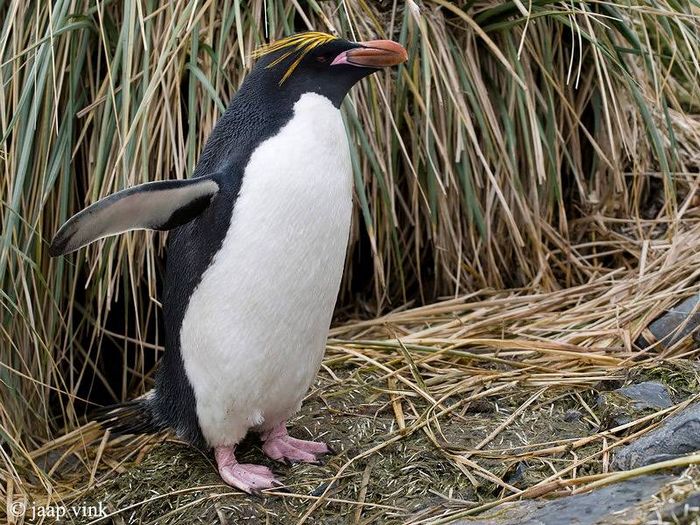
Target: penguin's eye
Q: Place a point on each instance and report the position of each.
(322, 59)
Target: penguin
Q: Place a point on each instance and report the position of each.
(255, 255)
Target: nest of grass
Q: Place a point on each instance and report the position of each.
(435, 413)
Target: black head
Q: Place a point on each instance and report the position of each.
(320, 63)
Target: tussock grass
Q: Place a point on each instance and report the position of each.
(543, 153)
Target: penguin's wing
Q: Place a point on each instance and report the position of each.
(152, 206)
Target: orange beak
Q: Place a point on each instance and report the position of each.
(375, 53)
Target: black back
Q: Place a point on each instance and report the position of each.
(257, 112)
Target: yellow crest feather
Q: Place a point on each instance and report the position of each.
(299, 45)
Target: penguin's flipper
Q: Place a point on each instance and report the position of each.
(152, 206)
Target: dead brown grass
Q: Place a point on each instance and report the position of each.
(433, 410)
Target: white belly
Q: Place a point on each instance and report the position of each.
(254, 332)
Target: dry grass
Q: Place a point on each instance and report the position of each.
(543, 153)
(436, 412)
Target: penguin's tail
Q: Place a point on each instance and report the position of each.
(130, 417)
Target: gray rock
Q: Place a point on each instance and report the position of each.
(581, 509)
(624, 405)
(677, 323)
(677, 436)
(649, 394)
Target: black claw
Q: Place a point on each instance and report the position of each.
(260, 493)
(256, 493)
(331, 451)
(320, 458)
(278, 486)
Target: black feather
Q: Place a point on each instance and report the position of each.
(129, 417)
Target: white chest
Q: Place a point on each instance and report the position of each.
(254, 331)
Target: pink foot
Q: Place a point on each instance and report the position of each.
(246, 477)
(280, 446)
